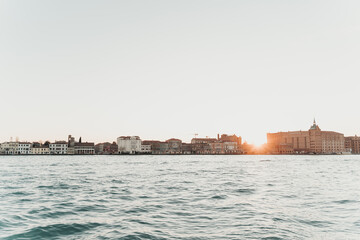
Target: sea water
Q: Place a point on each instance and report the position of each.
(180, 197)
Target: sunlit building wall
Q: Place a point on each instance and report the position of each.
(312, 141)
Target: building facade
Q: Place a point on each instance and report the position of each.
(106, 148)
(80, 148)
(154, 146)
(186, 148)
(313, 141)
(352, 144)
(203, 145)
(24, 148)
(9, 148)
(145, 149)
(174, 146)
(129, 144)
(40, 150)
(58, 147)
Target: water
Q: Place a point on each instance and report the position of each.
(180, 197)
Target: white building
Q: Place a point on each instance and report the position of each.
(9, 148)
(129, 145)
(59, 147)
(24, 148)
(40, 150)
(145, 148)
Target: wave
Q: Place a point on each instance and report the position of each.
(55, 230)
(141, 236)
(245, 190)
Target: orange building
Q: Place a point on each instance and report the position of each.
(312, 141)
(353, 144)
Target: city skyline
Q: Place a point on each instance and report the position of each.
(196, 135)
(161, 69)
(312, 141)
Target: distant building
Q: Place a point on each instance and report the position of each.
(217, 147)
(40, 150)
(230, 138)
(226, 144)
(231, 144)
(313, 141)
(129, 144)
(24, 148)
(174, 146)
(231, 148)
(106, 148)
(9, 148)
(58, 147)
(186, 148)
(164, 148)
(159, 148)
(352, 144)
(80, 148)
(145, 149)
(202, 145)
(154, 146)
(86, 148)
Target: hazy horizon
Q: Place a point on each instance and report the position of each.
(161, 69)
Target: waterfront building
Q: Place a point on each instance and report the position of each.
(224, 144)
(186, 148)
(230, 138)
(313, 141)
(174, 146)
(9, 148)
(202, 145)
(84, 148)
(158, 147)
(220, 147)
(145, 149)
(154, 145)
(231, 148)
(106, 148)
(129, 144)
(217, 147)
(24, 148)
(231, 144)
(40, 150)
(164, 148)
(352, 144)
(58, 147)
(80, 148)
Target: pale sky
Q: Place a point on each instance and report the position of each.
(162, 69)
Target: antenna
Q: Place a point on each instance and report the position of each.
(196, 135)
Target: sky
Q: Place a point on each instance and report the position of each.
(163, 69)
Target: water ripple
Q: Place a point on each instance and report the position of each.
(51, 231)
(179, 197)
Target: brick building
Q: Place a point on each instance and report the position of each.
(352, 144)
(313, 141)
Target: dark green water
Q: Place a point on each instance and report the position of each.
(180, 197)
